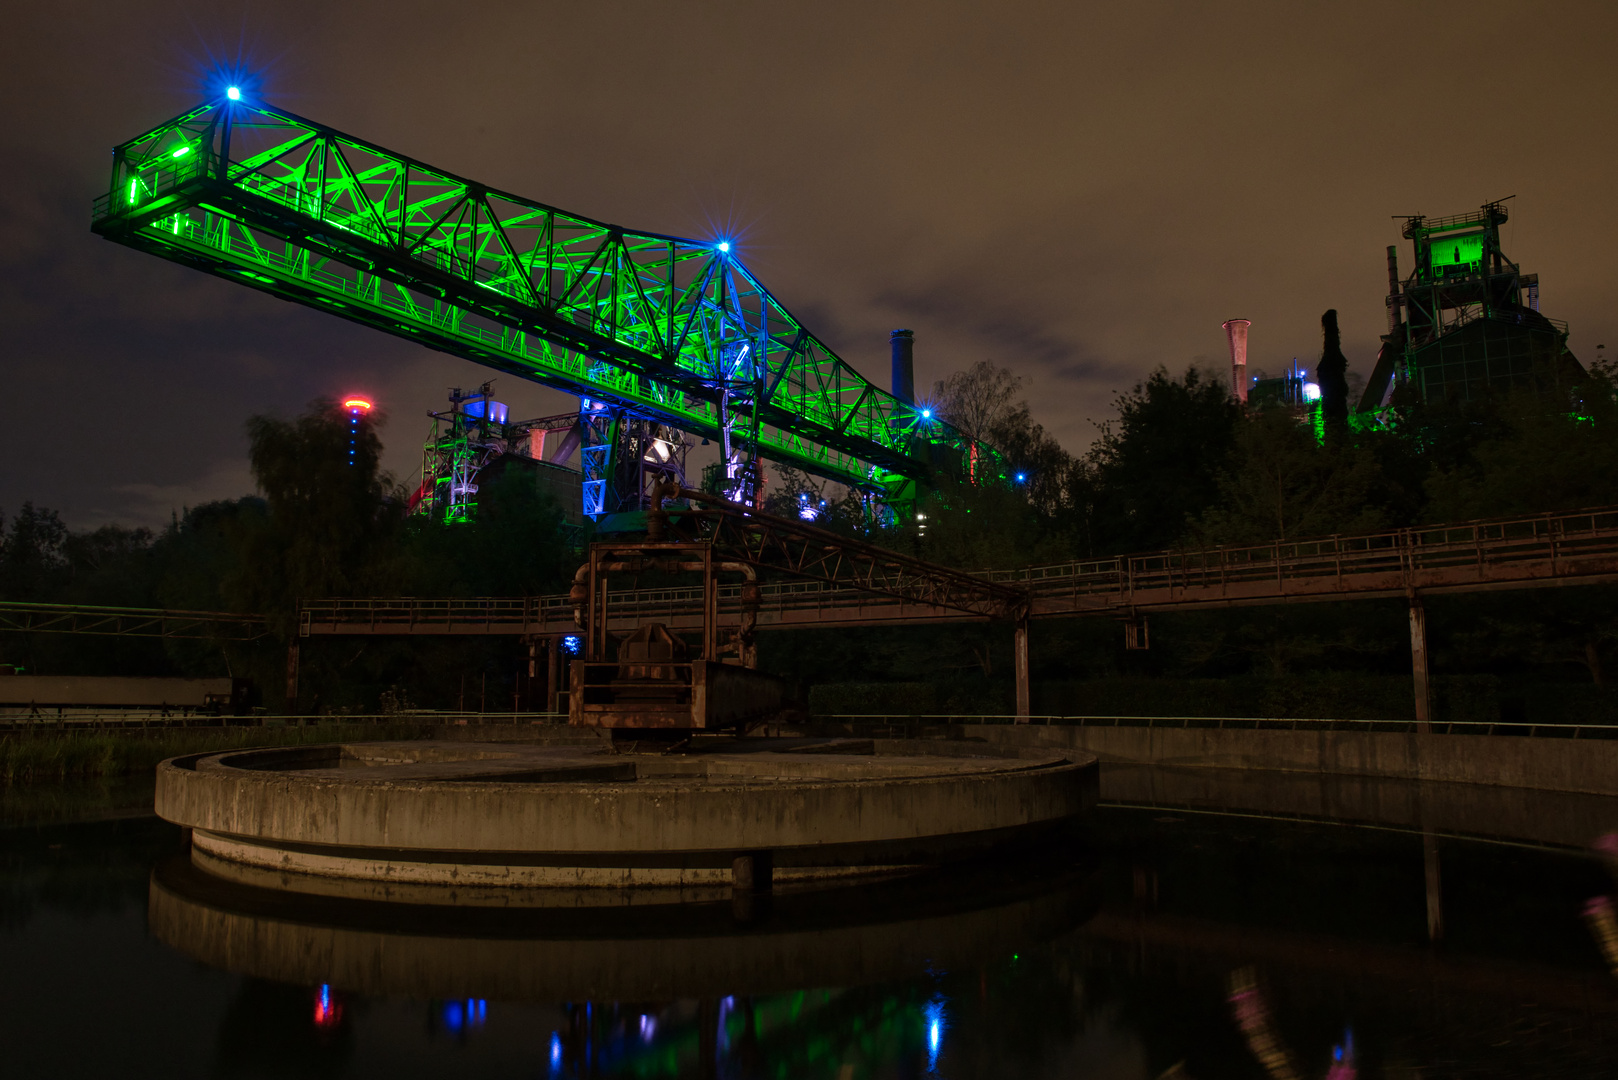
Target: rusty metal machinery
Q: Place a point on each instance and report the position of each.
(650, 678)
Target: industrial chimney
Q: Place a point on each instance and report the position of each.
(1236, 329)
(904, 365)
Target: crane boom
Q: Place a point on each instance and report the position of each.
(674, 329)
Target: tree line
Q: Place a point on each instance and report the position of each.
(1178, 463)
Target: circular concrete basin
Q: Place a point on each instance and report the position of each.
(494, 821)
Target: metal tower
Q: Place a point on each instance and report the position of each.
(1467, 321)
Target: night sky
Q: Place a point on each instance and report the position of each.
(1078, 191)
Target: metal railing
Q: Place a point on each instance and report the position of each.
(1234, 723)
(123, 720)
(1477, 554)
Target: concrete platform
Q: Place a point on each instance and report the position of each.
(499, 824)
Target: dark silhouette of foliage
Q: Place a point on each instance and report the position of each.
(1331, 374)
(1158, 464)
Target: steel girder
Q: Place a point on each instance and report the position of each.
(662, 326)
(130, 622)
(801, 550)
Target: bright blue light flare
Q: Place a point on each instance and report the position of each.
(724, 247)
(1022, 478)
(926, 414)
(234, 93)
(571, 644)
(934, 1013)
(808, 509)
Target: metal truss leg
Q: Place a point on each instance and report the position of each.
(1020, 649)
(1418, 666)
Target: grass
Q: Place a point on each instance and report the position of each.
(31, 756)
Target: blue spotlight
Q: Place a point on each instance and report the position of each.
(234, 93)
(724, 246)
(1021, 477)
(926, 414)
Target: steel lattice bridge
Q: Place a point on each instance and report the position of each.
(675, 330)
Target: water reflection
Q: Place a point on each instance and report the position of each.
(1122, 972)
(834, 983)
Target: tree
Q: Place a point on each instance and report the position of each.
(1535, 457)
(332, 512)
(983, 402)
(1282, 485)
(1156, 465)
(33, 560)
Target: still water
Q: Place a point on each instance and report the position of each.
(1209, 929)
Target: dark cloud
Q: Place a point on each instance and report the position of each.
(1078, 191)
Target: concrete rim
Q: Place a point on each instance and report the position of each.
(505, 815)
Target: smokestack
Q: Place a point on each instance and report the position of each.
(1393, 289)
(904, 365)
(1236, 329)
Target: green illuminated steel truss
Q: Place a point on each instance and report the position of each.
(657, 325)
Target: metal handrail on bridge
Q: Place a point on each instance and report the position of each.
(1242, 723)
(1468, 556)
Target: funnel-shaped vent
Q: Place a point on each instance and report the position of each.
(1236, 330)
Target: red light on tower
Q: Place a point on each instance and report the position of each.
(357, 407)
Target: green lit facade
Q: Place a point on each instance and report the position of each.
(1466, 323)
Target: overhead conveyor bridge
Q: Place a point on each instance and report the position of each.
(673, 329)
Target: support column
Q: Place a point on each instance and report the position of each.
(1418, 666)
(553, 680)
(1020, 664)
(1435, 896)
(292, 675)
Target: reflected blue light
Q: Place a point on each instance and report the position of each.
(571, 644)
(234, 93)
(934, 1012)
(556, 1054)
(459, 1016)
(726, 1004)
(648, 1028)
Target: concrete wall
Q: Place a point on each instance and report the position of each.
(1565, 819)
(112, 690)
(1580, 765)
